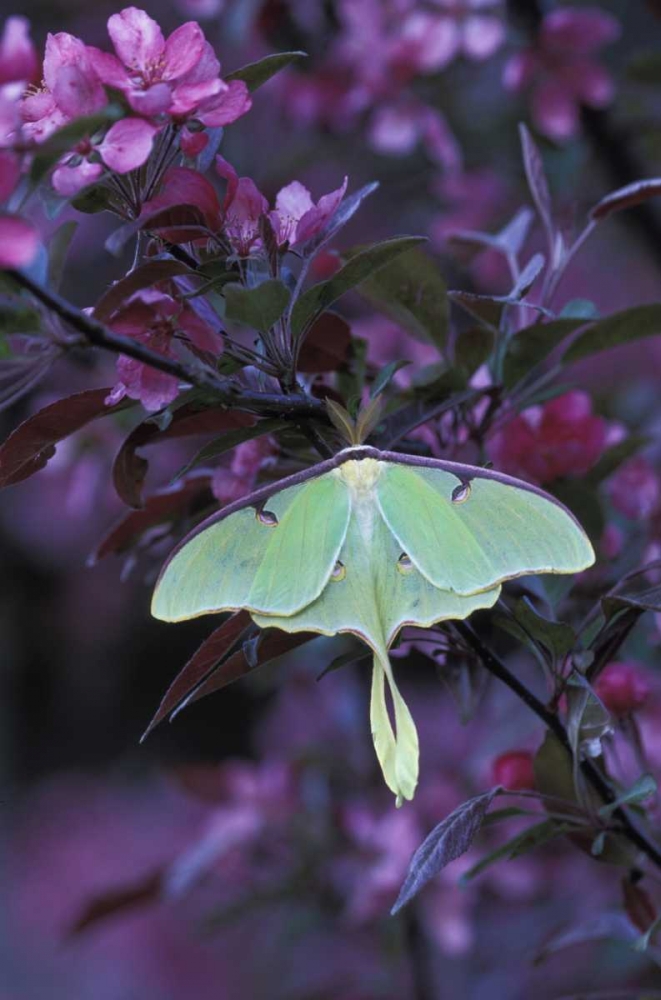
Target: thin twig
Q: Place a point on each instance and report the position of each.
(591, 772)
(227, 393)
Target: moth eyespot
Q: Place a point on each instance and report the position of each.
(339, 572)
(404, 564)
(267, 517)
(461, 493)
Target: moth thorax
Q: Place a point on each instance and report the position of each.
(361, 477)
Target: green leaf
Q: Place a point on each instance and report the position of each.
(643, 788)
(386, 375)
(58, 249)
(258, 73)
(534, 836)
(360, 267)
(411, 289)
(557, 637)
(230, 440)
(473, 348)
(620, 328)
(260, 307)
(63, 141)
(93, 199)
(532, 345)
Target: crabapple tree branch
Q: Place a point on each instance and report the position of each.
(296, 405)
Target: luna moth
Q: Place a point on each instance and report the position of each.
(365, 543)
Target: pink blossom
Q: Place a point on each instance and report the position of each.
(158, 321)
(248, 460)
(125, 146)
(71, 88)
(398, 127)
(514, 770)
(635, 489)
(623, 688)
(18, 56)
(561, 438)
(429, 40)
(560, 69)
(19, 241)
(243, 207)
(178, 76)
(297, 218)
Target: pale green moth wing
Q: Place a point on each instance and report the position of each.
(469, 530)
(372, 593)
(274, 559)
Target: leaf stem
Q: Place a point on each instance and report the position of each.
(298, 405)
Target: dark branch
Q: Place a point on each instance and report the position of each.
(226, 392)
(591, 772)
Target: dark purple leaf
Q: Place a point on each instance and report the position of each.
(143, 277)
(448, 841)
(31, 446)
(326, 347)
(272, 645)
(166, 505)
(130, 468)
(627, 197)
(539, 188)
(206, 659)
(227, 654)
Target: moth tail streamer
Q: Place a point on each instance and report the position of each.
(397, 750)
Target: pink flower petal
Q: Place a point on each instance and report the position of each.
(19, 241)
(187, 97)
(61, 50)
(18, 56)
(578, 30)
(206, 68)
(68, 181)
(10, 171)
(431, 41)
(316, 217)
(42, 116)
(395, 130)
(183, 49)
(227, 106)
(440, 142)
(155, 100)
(77, 91)
(555, 111)
(137, 38)
(109, 69)
(520, 70)
(293, 201)
(482, 36)
(127, 144)
(590, 82)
